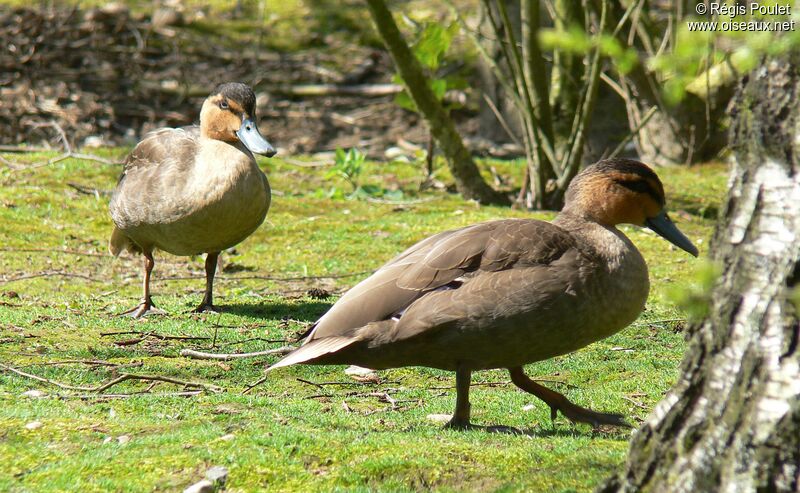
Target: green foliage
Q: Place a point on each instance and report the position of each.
(349, 165)
(430, 45)
(695, 298)
(433, 42)
(577, 41)
(697, 54)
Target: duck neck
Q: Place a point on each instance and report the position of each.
(572, 219)
(604, 240)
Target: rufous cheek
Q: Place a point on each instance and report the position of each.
(622, 208)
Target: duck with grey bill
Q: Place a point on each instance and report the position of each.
(253, 140)
(194, 190)
(505, 293)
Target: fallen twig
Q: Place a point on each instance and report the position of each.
(52, 273)
(44, 380)
(156, 378)
(54, 250)
(634, 402)
(188, 393)
(16, 166)
(500, 384)
(337, 90)
(88, 190)
(254, 384)
(155, 335)
(307, 164)
(354, 382)
(90, 362)
(119, 379)
(190, 353)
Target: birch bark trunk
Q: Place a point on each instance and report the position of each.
(732, 421)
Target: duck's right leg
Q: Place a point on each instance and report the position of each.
(460, 420)
(146, 306)
(558, 402)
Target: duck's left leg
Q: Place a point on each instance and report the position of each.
(558, 402)
(146, 306)
(460, 420)
(207, 305)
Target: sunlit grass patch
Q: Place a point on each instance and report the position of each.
(288, 434)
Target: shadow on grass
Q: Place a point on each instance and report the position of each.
(308, 311)
(556, 431)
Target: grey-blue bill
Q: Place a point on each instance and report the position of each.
(253, 140)
(665, 228)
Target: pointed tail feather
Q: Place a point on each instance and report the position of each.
(120, 242)
(313, 350)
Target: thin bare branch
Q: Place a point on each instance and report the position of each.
(156, 336)
(119, 379)
(652, 111)
(502, 120)
(44, 380)
(572, 160)
(255, 384)
(157, 378)
(190, 353)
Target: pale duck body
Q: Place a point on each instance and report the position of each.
(207, 204)
(196, 190)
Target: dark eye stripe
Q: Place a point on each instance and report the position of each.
(641, 186)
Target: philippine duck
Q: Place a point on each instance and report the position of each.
(194, 190)
(505, 293)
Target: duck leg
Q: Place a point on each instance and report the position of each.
(558, 402)
(460, 420)
(207, 305)
(146, 306)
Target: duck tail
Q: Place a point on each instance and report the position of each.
(119, 242)
(314, 350)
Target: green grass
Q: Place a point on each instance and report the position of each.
(288, 435)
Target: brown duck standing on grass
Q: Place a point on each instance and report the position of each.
(505, 293)
(194, 190)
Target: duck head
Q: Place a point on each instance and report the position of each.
(229, 115)
(618, 191)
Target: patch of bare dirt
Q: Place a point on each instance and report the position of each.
(106, 76)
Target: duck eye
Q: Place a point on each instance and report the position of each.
(223, 104)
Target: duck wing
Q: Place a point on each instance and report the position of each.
(440, 261)
(145, 178)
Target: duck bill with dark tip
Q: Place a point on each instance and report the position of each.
(253, 140)
(665, 228)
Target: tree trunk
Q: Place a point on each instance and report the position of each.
(469, 181)
(732, 421)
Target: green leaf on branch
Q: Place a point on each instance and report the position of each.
(576, 41)
(429, 47)
(433, 42)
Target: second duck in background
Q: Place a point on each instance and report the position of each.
(193, 190)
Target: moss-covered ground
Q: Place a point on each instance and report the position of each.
(60, 291)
